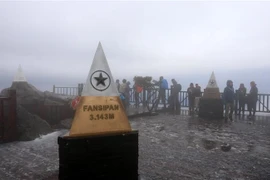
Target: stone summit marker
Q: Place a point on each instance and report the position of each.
(211, 104)
(101, 143)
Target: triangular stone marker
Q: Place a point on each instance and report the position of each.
(212, 83)
(19, 77)
(212, 91)
(100, 110)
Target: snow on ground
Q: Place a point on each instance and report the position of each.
(170, 147)
(31, 159)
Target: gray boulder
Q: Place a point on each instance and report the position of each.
(29, 126)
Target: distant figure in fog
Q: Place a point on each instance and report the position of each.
(127, 94)
(137, 90)
(241, 94)
(197, 94)
(191, 98)
(197, 91)
(163, 85)
(117, 84)
(175, 104)
(252, 99)
(229, 98)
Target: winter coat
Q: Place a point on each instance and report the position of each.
(228, 95)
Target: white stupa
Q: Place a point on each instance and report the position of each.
(19, 77)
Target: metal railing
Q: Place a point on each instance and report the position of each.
(263, 104)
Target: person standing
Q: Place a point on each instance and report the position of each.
(137, 90)
(127, 93)
(241, 94)
(252, 99)
(117, 84)
(229, 97)
(191, 98)
(197, 94)
(163, 85)
(176, 88)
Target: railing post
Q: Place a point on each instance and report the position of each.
(53, 88)
(144, 97)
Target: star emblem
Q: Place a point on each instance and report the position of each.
(100, 80)
(212, 82)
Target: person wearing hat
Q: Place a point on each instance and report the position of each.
(252, 99)
(229, 97)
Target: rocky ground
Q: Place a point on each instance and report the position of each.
(170, 147)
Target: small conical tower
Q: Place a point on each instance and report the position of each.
(19, 77)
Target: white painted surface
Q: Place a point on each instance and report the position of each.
(212, 83)
(19, 77)
(100, 66)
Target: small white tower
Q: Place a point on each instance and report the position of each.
(19, 77)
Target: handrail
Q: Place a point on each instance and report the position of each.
(263, 104)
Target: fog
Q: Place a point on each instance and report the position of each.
(55, 42)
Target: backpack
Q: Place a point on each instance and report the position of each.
(122, 97)
(164, 84)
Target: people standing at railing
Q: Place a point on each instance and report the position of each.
(197, 94)
(175, 90)
(137, 90)
(191, 98)
(241, 96)
(117, 84)
(229, 97)
(163, 85)
(252, 99)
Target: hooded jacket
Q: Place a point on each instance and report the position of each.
(228, 94)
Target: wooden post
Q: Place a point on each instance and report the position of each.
(11, 125)
(1, 120)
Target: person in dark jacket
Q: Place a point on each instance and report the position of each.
(252, 99)
(163, 85)
(229, 97)
(191, 98)
(197, 91)
(241, 94)
(175, 89)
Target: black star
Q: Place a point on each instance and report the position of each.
(100, 80)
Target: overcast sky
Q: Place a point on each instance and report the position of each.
(55, 42)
